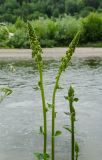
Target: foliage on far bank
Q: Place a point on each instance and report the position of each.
(92, 26)
(54, 32)
(33, 9)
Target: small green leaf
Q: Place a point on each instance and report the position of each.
(49, 105)
(39, 84)
(71, 92)
(58, 133)
(36, 88)
(55, 114)
(46, 156)
(41, 130)
(1, 98)
(58, 87)
(66, 125)
(41, 156)
(67, 113)
(47, 109)
(6, 90)
(76, 147)
(11, 68)
(73, 111)
(68, 129)
(66, 97)
(39, 57)
(76, 99)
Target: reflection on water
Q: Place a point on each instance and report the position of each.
(21, 113)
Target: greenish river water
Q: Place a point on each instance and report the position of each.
(21, 113)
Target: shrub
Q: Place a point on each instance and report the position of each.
(19, 40)
(3, 33)
(66, 29)
(19, 23)
(92, 26)
(45, 30)
(86, 11)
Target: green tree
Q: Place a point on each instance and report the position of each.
(93, 3)
(92, 26)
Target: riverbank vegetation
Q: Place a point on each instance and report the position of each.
(54, 32)
(55, 22)
(10, 10)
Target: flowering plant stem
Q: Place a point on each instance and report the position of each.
(64, 64)
(37, 55)
(72, 114)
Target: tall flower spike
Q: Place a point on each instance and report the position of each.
(34, 43)
(64, 64)
(65, 60)
(36, 54)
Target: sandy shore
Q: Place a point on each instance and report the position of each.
(50, 53)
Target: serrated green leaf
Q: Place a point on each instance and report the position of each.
(58, 133)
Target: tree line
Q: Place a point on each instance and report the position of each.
(33, 9)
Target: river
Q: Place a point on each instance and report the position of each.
(21, 112)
